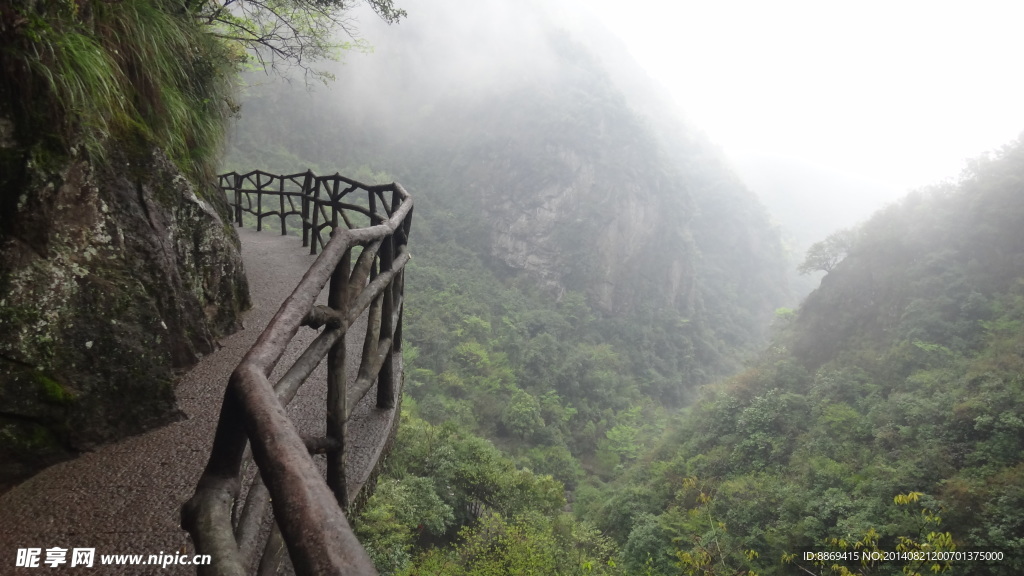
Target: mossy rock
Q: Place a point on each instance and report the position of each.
(113, 283)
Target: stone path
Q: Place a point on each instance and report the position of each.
(125, 498)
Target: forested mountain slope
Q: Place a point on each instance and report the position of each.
(523, 150)
(901, 374)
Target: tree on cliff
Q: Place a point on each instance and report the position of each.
(282, 34)
(826, 254)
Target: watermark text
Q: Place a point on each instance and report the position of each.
(87, 558)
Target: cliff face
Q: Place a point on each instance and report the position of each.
(113, 277)
(585, 192)
(583, 220)
(641, 226)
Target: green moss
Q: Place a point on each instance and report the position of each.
(52, 391)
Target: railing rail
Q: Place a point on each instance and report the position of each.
(317, 201)
(308, 508)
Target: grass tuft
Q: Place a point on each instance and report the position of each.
(92, 72)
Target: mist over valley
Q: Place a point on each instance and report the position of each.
(693, 289)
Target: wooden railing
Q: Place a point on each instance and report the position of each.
(316, 201)
(371, 226)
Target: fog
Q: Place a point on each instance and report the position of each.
(887, 96)
(447, 49)
(826, 111)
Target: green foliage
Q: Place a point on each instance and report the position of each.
(531, 545)
(281, 34)
(922, 550)
(649, 549)
(84, 79)
(510, 363)
(398, 511)
(556, 461)
(85, 73)
(467, 474)
(445, 485)
(825, 255)
(522, 414)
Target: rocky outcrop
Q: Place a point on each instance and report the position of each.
(114, 276)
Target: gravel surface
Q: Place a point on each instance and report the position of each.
(125, 498)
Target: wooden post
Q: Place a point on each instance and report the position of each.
(334, 203)
(259, 202)
(396, 201)
(337, 397)
(280, 188)
(238, 198)
(398, 298)
(386, 377)
(307, 184)
(407, 224)
(315, 239)
(398, 291)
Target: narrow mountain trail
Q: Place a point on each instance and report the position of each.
(125, 498)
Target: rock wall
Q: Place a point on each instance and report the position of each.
(580, 225)
(114, 277)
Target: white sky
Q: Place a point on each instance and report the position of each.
(898, 92)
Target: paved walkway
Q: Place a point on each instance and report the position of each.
(125, 498)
